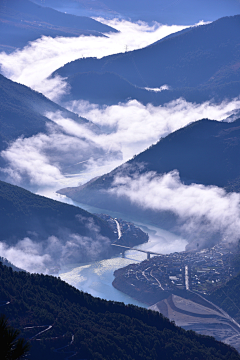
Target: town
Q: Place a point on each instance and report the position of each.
(200, 271)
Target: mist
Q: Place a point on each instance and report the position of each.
(49, 255)
(70, 153)
(204, 212)
(135, 126)
(39, 59)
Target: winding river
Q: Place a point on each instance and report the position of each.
(96, 277)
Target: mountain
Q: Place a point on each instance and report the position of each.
(44, 216)
(200, 64)
(22, 21)
(22, 112)
(110, 88)
(23, 117)
(106, 89)
(166, 12)
(205, 152)
(60, 321)
(64, 232)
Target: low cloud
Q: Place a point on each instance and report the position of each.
(203, 211)
(55, 158)
(49, 255)
(134, 127)
(70, 153)
(37, 61)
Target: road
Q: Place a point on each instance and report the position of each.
(186, 278)
(118, 229)
(41, 332)
(160, 285)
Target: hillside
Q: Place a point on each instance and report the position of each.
(34, 213)
(200, 64)
(23, 21)
(107, 89)
(227, 297)
(22, 111)
(80, 326)
(110, 88)
(205, 152)
(7, 263)
(65, 232)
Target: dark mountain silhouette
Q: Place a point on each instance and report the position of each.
(83, 327)
(166, 12)
(205, 152)
(23, 213)
(22, 21)
(200, 64)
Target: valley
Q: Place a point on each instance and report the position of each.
(119, 178)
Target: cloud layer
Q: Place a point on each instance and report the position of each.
(33, 65)
(70, 153)
(203, 211)
(135, 127)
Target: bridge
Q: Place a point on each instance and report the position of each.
(129, 248)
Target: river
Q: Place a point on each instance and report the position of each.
(96, 277)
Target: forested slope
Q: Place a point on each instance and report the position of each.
(23, 214)
(90, 328)
(22, 111)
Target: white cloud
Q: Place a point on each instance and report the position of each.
(25, 255)
(33, 65)
(70, 152)
(52, 253)
(52, 159)
(202, 210)
(133, 127)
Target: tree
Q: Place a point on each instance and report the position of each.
(11, 347)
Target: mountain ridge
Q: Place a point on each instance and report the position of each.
(182, 12)
(23, 111)
(197, 62)
(204, 152)
(24, 21)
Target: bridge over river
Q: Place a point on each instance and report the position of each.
(125, 248)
